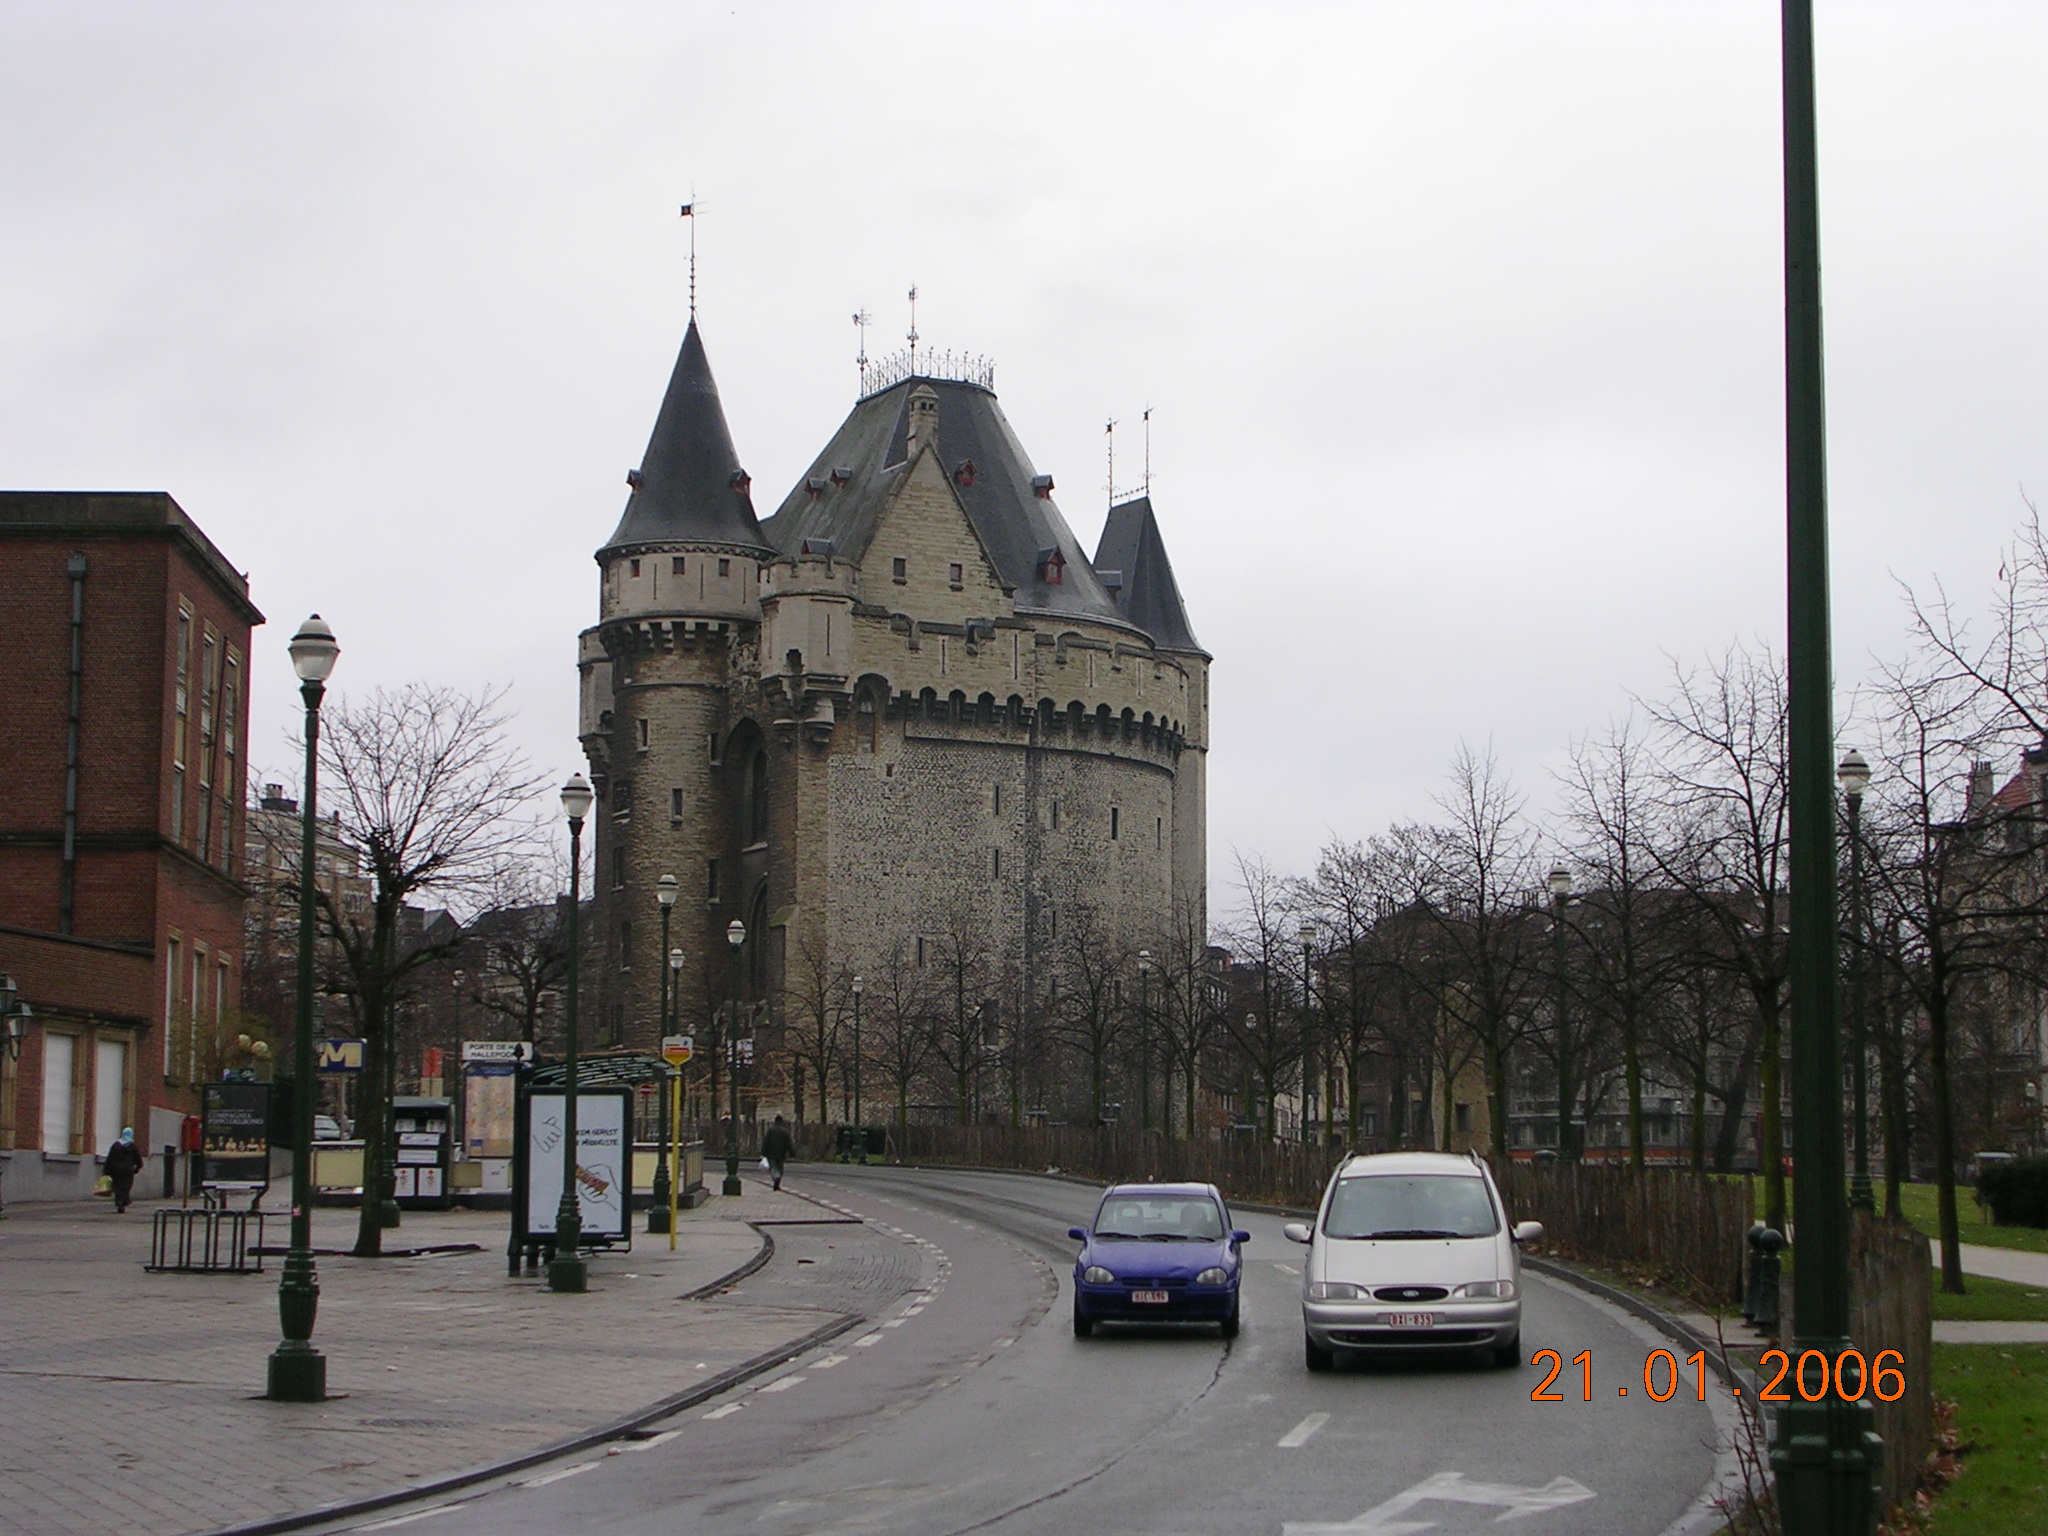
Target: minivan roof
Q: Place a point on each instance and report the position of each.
(1368, 1165)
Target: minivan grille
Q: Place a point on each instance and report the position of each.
(1410, 1293)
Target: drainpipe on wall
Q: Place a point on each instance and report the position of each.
(67, 881)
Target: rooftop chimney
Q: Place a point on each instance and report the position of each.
(924, 421)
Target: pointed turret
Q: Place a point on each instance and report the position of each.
(690, 488)
(1149, 597)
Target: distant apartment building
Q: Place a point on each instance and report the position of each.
(271, 870)
(124, 649)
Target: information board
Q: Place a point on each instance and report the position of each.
(234, 1135)
(603, 1161)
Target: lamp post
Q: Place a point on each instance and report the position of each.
(657, 1210)
(1853, 774)
(1306, 933)
(298, 1371)
(567, 1272)
(858, 1136)
(1567, 1143)
(1825, 1455)
(735, 935)
(1144, 1039)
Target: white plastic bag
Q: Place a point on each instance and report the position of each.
(765, 1167)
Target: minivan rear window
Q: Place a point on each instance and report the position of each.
(1410, 1206)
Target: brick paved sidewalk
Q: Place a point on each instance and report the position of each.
(131, 1401)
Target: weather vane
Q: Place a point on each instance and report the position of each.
(862, 320)
(913, 328)
(1109, 435)
(1148, 450)
(690, 213)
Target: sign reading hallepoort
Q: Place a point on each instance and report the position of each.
(603, 1165)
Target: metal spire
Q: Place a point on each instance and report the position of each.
(1148, 451)
(862, 320)
(913, 328)
(1109, 436)
(690, 213)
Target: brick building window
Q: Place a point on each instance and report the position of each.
(1055, 814)
(675, 805)
(209, 684)
(171, 958)
(998, 865)
(618, 868)
(640, 732)
(899, 570)
(1158, 831)
(955, 576)
(181, 704)
(920, 950)
(677, 566)
(724, 567)
(230, 705)
(625, 946)
(634, 568)
(999, 799)
(1115, 821)
(711, 879)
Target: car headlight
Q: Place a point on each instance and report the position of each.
(1095, 1274)
(1488, 1290)
(1213, 1276)
(1331, 1290)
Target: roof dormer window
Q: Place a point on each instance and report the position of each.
(1052, 567)
(963, 474)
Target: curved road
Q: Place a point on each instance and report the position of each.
(966, 1404)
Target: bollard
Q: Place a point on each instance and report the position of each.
(1768, 1243)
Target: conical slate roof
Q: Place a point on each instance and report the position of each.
(1150, 597)
(843, 492)
(691, 489)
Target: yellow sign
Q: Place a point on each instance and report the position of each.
(676, 1049)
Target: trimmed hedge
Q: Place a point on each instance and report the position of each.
(2017, 1192)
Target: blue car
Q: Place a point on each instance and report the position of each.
(1158, 1253)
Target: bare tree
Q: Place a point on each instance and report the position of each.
(1267, 1028)
(898, 1032)
(1185, 1005)
(1091, 1018)
(962, 958)
(1723, 767)
(426, 785)
(521, 941)
(817, 1003)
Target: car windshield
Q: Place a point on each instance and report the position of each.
(1410, 1205)
(1160, 1218)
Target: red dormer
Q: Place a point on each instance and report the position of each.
(1052, 567)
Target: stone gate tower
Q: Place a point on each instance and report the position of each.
(906, 710)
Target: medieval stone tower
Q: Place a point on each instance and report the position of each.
(906, 711)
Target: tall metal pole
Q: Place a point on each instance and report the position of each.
(657, 1207)
(856, 1066)
(566, 1271)
(298, 1371)
(1825, 1455)
(735, 936)
(1567, 1139)
(1861, 1197)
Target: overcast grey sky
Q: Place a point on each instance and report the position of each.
(1460, 323)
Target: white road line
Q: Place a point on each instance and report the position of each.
(556, 1477)
(913, 1311)
(784, 1383)
(1004, 1343)
(1303, 1432)
(386, 1525)
(653, 1440)
(828, 1362)
(729, 1408)
(1286, 1269)
(895, 1322)
(871, 1339)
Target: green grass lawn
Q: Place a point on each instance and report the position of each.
(1991, 1300)
(1918, 1201)
(2001, 1397)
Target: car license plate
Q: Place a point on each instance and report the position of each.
(1410, 1320)
(1155, 1298)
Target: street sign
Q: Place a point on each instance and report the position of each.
(744, 1050)
(497, 1050)
(677, 1049)
(339, 1055)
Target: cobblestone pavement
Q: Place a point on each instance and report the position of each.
(132, 1400)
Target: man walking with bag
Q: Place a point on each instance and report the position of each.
(775, 1149)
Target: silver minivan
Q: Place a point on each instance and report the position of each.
(1412, 1250)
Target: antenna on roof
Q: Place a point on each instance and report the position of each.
(862, 320)
(1109, 435)
(1148, 451)
(913, 328)
(690, 213)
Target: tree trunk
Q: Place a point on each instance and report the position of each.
(1633, 1070)
(1772, 1153)
(1944, 1143)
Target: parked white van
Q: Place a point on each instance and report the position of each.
(1412, 1250)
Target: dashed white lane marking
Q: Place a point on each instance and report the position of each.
(784, 1383)
(1004, 1343)
(913, 1311)
(1286, 1269)
(555, 1477)
(653, 1440)
(386, 1525)
(828, 1362)
(729, 1408)
(1303, 1432)
(895, 1322)
(871, 1340)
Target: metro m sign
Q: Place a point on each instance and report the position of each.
(338, 1055)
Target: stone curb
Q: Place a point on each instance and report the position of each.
(724, 1282)
(661, 1408)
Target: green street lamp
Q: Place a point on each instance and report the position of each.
(567, 1272)
(735, 935)
(1825, 1455)
(1306, 933)
(859, 1136)
(298, 1371)
(1144, 1040)
(657, 1212)
(1853, 774)
(1567, 1142)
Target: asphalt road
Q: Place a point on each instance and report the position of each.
(968, 1405)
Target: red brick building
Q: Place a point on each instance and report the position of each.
(125, 668)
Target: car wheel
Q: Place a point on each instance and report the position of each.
(1084, 1325)
(1315, 1356)
(1230, 1323)
(1509, 1355)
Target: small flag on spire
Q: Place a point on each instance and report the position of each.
(688, 208)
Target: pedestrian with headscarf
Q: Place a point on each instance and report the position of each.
(124, 1161)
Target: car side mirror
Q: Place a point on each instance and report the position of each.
(1080, 1234)
(1240, 1236)
(1528, 1231)
(1296, 1232)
